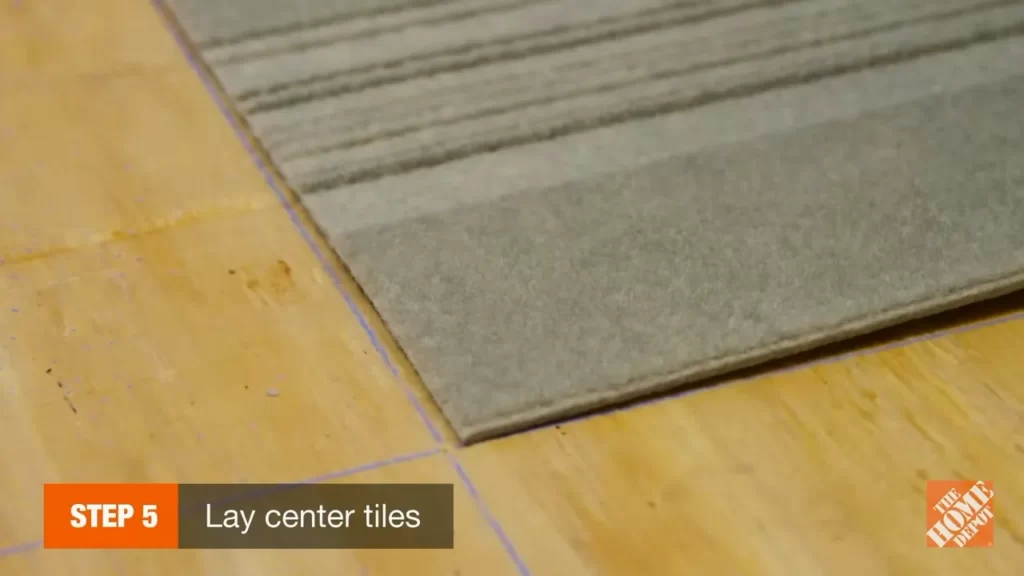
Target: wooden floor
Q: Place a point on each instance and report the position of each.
(153, 288)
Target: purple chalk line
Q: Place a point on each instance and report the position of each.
(209, 83)
(277, 488)
(18, 549)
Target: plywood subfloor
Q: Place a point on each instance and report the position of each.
(154, 287)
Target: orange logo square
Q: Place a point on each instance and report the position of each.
(960, 513)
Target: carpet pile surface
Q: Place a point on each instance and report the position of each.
(559, 205)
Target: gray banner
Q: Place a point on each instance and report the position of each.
(381, 516)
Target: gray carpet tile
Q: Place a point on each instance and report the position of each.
(556, 204)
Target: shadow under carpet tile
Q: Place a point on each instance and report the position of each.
(558, 205)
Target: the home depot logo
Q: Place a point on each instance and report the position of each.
(960, 514)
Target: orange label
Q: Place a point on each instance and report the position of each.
(110, 516)
(960, 514)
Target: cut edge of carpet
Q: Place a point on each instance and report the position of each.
(691, 377)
